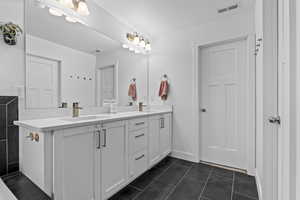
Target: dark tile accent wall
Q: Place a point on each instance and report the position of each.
(9, 135)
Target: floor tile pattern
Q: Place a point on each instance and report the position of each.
(175, 179)
(23, 188)
(171, 179)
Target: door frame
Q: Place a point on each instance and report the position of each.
(289, 101)
(116, 73)
(284, 98)
(59, 78)
(250, 60)
(297, 16)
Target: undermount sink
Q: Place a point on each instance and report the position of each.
(83, 118)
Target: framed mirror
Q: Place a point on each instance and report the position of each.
(68, 62)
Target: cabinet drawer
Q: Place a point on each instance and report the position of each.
(138, 140)
(138, 123)
(138, 164)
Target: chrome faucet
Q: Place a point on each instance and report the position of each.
(76, 109)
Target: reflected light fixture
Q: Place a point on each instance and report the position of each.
(72, 10)
(56, 12)
(67, 3)
(137, 43)
(70, 19)
(82, 8)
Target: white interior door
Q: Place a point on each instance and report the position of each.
(106, 84)
(42, 82)
(224, 104)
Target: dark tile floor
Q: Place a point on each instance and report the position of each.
(23, 188)
(171, 179)
(174, 179)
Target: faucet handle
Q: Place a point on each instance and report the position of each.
(76, 105)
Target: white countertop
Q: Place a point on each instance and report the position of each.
(52, 124)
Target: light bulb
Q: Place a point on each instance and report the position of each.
(142, 43)
(131, 49)
(67, 3)
(55, 12)
(148, 46)
(136, 39)
(83, 8)
(125, 46)
(71, 19)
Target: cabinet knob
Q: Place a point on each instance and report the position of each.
(203, 110)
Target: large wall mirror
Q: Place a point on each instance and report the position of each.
(70, 62)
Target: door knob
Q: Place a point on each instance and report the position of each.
(203, 110)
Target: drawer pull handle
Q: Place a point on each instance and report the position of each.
(140, 123)
(99, 139)
(105, 137)
(139, 158)
(137, 136)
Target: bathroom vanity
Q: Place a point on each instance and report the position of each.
(93, 157)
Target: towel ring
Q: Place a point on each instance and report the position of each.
(165, 76)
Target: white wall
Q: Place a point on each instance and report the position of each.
(73, 63)
(173, 55)
(130, 66)
(11, 57)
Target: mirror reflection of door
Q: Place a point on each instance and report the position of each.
(106, 84)
(42, 83)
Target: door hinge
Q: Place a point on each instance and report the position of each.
(275, 120)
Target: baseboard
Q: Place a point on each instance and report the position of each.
(258, 185)
(184, 155)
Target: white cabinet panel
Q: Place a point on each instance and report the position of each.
(165, 135)
(113, 158)
(159, 138)
(74, 172)
(154, 151)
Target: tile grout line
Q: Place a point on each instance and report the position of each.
(153, 181)
(232, 189)
(204, 187)
(244, 195)
(175, 186)
(136, 188)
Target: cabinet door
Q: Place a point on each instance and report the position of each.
(113, 158)
(154, 150)
(75, 152)
(165, 135)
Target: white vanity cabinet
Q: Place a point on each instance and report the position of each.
(95, 160)
(113, 158)
(160, 139)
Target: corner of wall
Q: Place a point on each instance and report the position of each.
(258, 185)
(184, 155)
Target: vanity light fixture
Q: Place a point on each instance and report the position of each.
(137, 43)
(72, 10)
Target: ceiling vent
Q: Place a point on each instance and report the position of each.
(229, 8)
